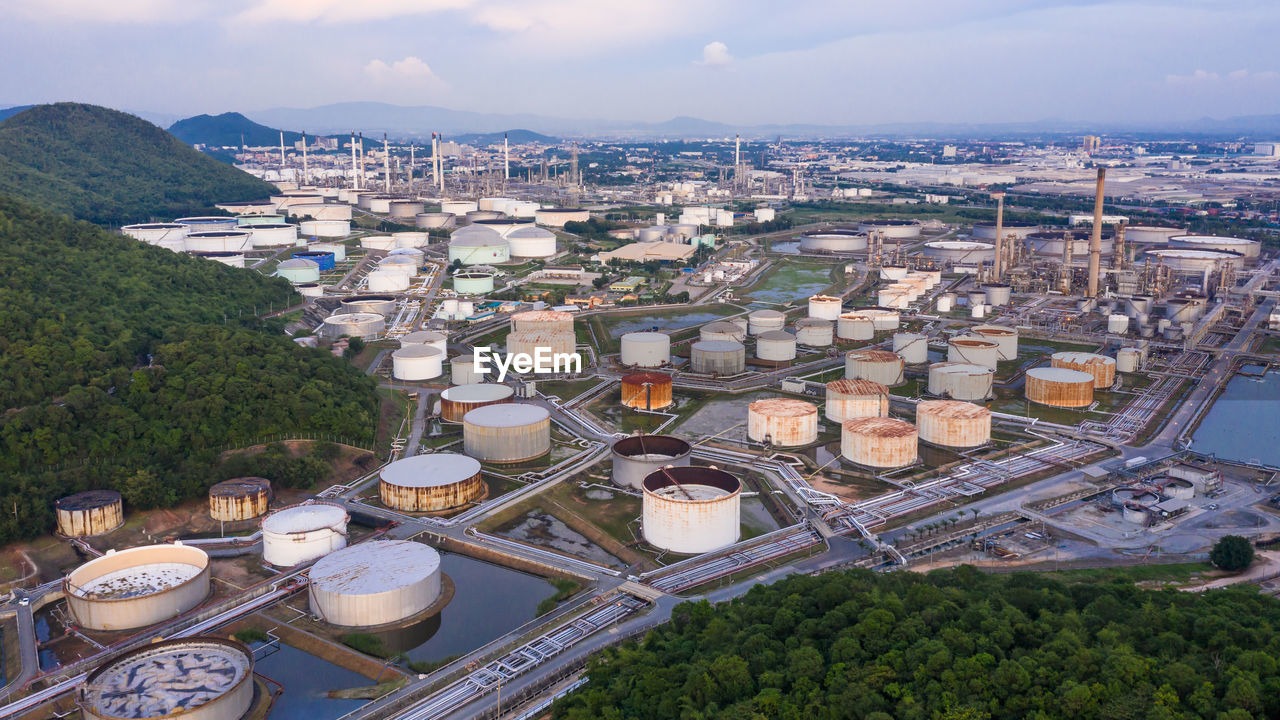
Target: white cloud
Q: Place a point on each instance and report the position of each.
(410, 70)
(716, 54)
(1205, 78)
(337, 11)
(112, 11)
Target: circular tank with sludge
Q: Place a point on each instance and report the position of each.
(635, 457)
(137, 587)
(193, 678)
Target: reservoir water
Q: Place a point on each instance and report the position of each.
(1244, 422)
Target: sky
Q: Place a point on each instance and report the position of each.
(736, 61)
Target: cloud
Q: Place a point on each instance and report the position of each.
(113, 11)
(715, 54)
(338, 11)
(1206, 78)
(410, 70)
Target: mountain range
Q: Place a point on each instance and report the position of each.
(230, 129)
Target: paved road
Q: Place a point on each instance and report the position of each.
(27, 651)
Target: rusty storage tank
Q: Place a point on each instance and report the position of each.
(855, 326)
(878, 442)
(1059, 387)
(141, 586)
(974, 350)
(960, 381)
(646, 390)
(913, 348)
(762, 321)
(636, 457)
(457, 401)
(882, 318)
(812, 332)
(433, 482)
(93, 512)
(646, 349)
(555, 342)
(242, 498)
(824, 307)
(542, 320)
(193, 678)
(507, 433)
(691, 510)
(304, 532)
(1128, 360)
(1005, 338)
(848, 399)
(722, 331)
(1101, 367)
(953, 423)
(776, 346)
(374, 583)
(879, 366)
(718, 357)
(783, 422)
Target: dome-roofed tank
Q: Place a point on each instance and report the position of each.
(374, 583)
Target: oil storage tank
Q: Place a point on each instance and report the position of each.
(462, 371)
(542, 320)
(141, 586)
(1151, 234)
(381, 304)
(953, 424)
(195, 678)
(878, 442)
(824, 307)
(722, 331)
(855, 326)
(913, 348)
(456, 402)
(879, 366)
(998, 294)
(646, 349)
(207, 223)
(961, 381)
(1243, 246)
(1128, 360)
(301, 533)
(478, 245)
(473, 282)
(430, 338)
(1019, 230)
(417, 362)
(325, 228)
(1194, 260)
(387, 281)
(238, 499)
(89, 513)
(961, 252)
(765, 320)
(718, 357)
(812, 332)
(973, 350)
(299, 270)
(636, 457)
(848, 399)
(776, 346)
(433, 482)
(691, 510)
(374, 583)
(366, 326)
(1059, 387)
(507, 433)
(1005, 338)
(218, 241)
(782, 422)
(892, 231)
(428, 220)
(833, 241)
(529, 241)
(1101, 367)
(274, 234)
(646, 390)
(158, 233)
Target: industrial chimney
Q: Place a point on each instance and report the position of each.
(999, 196)
(1095, 240)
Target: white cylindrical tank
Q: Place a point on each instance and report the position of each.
(325, 228)
(878, 442)
(208, 223)
(637, 456)
(1128, 360)
(974, 350)
(998, 294)
(1244, 246)
(776, 346)
(912, 347)
(848, 399)
(407, 264)
(722, 331)
(557, 217)
(218, 241)
(141, 586)
(462, 371)
(338, 249)
(824, 307)
(879, 366)
(945, 302)
(883, 318)
(193, 678)
(430, 338)
(717, 357)
(301, 533)
(378, 242)
(1117, 324)
(428, 220)
(507, 433)
(384, 305)
(299, 270)
(158, 233)
(410, 239)
(459, 208)
(387, 281)
(274, 235)
(646, 349)
(812, 332)
(855, 326)
(1005, 338)
(691, 510)
(961, 381)
(782, 422)
(417, 362)
(953, 424)
(765, 320)
(529, 241)
(366, 326)
(374, 583)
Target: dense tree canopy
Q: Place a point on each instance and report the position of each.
(128, 366)
(952, 645)
(1232, 553)
(111, 167)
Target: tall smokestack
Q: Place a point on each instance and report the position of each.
(506, 158)
(386, 162)
(411, 159)
(1117, 259)
(999, 264)
(440, 164)
(355, 173)
(282, 154)
(304, 157)
(1095, 240)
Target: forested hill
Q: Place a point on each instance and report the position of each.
(111, 168)
(950, 645)
(229, 129)
(127, 366)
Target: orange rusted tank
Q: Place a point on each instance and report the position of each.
(1101, 367)
(461, 399)
(542, 320)
(878, 442)
(431, 482)
(1059, 387)
(646, 390)
(784, 422)
(849, 399)
(239, 499)
(879, 366)
(952, 423)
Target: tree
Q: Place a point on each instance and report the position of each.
(1232, 553)
(355, 346)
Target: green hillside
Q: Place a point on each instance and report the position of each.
(227, 130)
(111, 168)
(127, 366)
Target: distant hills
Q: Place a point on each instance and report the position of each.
(110, 167)
(515, 137)
(230, 129)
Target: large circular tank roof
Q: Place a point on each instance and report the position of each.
(304, 518)
(375, 567)
(167, 679)
(477, 392)
(506, 415)
(430, 470)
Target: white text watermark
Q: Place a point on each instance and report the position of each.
(541, 362)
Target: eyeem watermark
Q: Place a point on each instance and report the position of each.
(541, 362)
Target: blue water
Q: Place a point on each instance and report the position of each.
(306, 678)
(789, 283)
(790, 247)
(636, 323)
(1244, 422)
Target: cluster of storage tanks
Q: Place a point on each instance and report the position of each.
(1072, 377)
(499, 241)
(223, 239)
(907, 286)
(880, 442)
